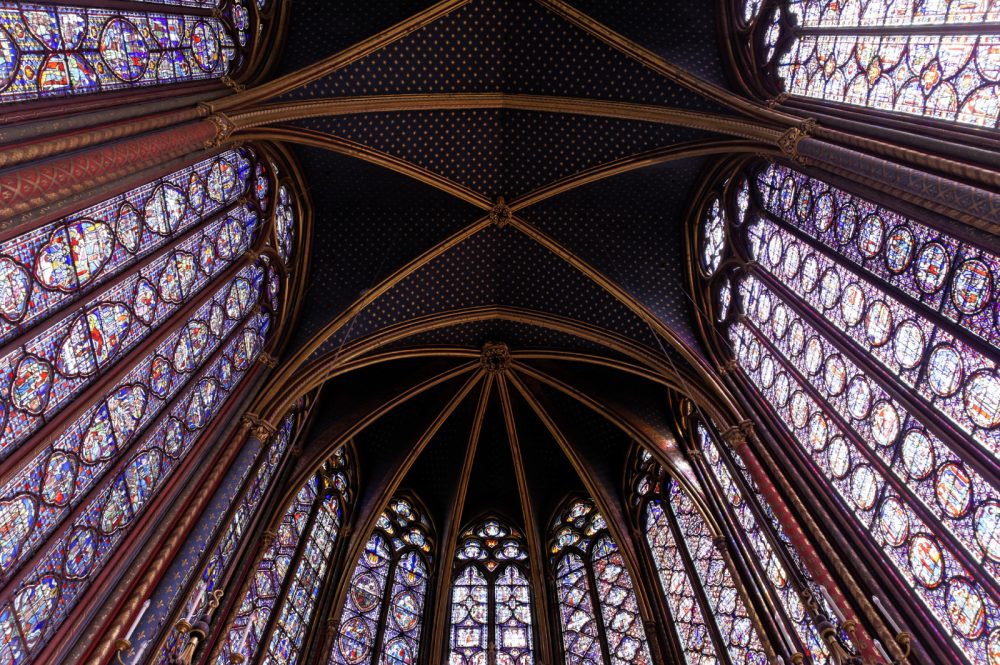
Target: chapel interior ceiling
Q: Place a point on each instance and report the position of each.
(607, 280)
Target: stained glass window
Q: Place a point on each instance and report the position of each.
(290, 573)
(598, 609)
(934, 58)
(767, 542)
(146, 307)
(53, 50)
(694, 577)
(382, 616)
(873, 337)
(491, 597)
(231, 534)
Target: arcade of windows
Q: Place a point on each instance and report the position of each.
(868, 334)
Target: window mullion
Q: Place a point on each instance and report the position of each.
(889, 476)
(383, 613)
(595, 599)
(263, 645)
(924, 310)
(974, 29)
(761, 588)
(708, 614)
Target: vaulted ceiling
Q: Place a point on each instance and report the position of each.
(588, 300)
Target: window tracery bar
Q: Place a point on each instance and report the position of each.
(935, 59)
(46, 595)
(268, 460)
(49, 369)
(728, 611)
(491, 597)
(470, 623)
(922, 355)
(55, 265)
(965, 610)
(938, 271)
(262, 596)
(381, 620)
(50, 50)
(685, 610)
(299, 600)
(895, 439)
(512, 608)
(597, 603)
(776, 572)
(68, 469)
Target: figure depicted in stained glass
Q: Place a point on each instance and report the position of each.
(168, 312)
(491, 597)
(937, 59)
(288, 577)
(54, 50)
(600, 619)
(865, 330)
(382, 616)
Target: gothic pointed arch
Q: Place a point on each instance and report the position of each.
(281, 596)
(866, 330)
(491, 596)
(383, 615)
(594, 591)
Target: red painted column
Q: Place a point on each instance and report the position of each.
(33, 185)
(737, 438)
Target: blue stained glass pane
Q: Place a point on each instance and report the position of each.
(774, 568)
(52, 50)
(470, 628)
(261, 597)
(926, 563)
(389, 583)
(101, 432)
(581, 530)
(689, 622)
(930, 70)
(300, 601)
(580, 634)
(63, 358)
(728, 610)
(39, 604)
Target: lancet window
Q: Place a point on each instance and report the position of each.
(279, 603)
(50, 50)
(872, 335)
(935, 58)
(148, 309)
(382, 616)
(709, 615)
(491, 597)
(598, 609)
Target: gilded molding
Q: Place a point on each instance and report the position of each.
(495, 358)
(789, 141)
(224, 128)
(500, 214)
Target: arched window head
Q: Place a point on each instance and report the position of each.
(935, 59)
(870, 336)
(154, 302)
(278, 605)
(382, 617)
(55, 50)
(491, 597)
(597, 603)
(709, 614)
